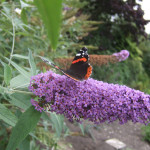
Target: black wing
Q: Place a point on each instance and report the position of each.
(80, 65)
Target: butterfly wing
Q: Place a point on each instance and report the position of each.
(64, 72)
(80, 69)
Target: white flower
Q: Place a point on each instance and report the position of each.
(18, 11)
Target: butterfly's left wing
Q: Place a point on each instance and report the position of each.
(58, 68)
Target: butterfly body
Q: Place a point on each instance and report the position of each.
(80, 68)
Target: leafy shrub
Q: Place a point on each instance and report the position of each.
(146, 133)
(122, 19)
(129, 72)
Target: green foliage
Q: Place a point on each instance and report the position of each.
(82, 128)
(129, 72)
(23, 37)
(112, 36)
(25, 125)
(20, 100)
(7, 74)
(46, 138)
(145, 46)
(19, 82)
(20, 69)
(51, 14)
(3, 135)
(18, 33)
(7, 116)
(85, 128)
(58, 124)
(25, 144)
(32, 63)
(146, 133)
(121, 21)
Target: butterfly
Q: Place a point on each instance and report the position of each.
(80, 68)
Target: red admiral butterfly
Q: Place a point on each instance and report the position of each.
(80, 69)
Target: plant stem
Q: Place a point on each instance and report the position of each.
(20, 86)
(24, 92)
(8, 104)
(7, 90)
(13, 44)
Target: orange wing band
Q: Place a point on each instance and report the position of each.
(71, 77)
(81, 59)
(89, 72)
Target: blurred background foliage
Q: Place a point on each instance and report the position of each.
(104, 27)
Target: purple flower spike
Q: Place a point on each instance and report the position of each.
(89, 99)
(122, 55)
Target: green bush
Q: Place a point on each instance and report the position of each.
(146, 133)
(129, 72)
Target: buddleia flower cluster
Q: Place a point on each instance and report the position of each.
(122, 55)
(90, 99)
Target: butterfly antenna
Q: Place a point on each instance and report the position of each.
(50, 63)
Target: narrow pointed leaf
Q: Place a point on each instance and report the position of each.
(20, 56)
(1, 89)
(20, 100)
(25, 144)
(26, 123)
(21, 70)
(7, 116)
(50, 11)
(32, 63)
(58, 123)
(19, 82)
(24, 16)
(7, 74)
(82, 128)
(24, 5)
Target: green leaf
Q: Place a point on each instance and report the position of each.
(21, 70)
(32, 63)
(20, 56)
(82, 128)
(26, 123)
(46, 117)
(50, 11)
(1, 89)
(24, 5)
(20, 100)
(2, 63)
(7, 116)
(57, 123)
(19, 82)
(24, 16)
(25, 144)
(7, 74)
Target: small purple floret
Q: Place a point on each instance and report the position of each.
(122, 55)
(90, 99)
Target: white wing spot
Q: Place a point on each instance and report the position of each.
(78, 54)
